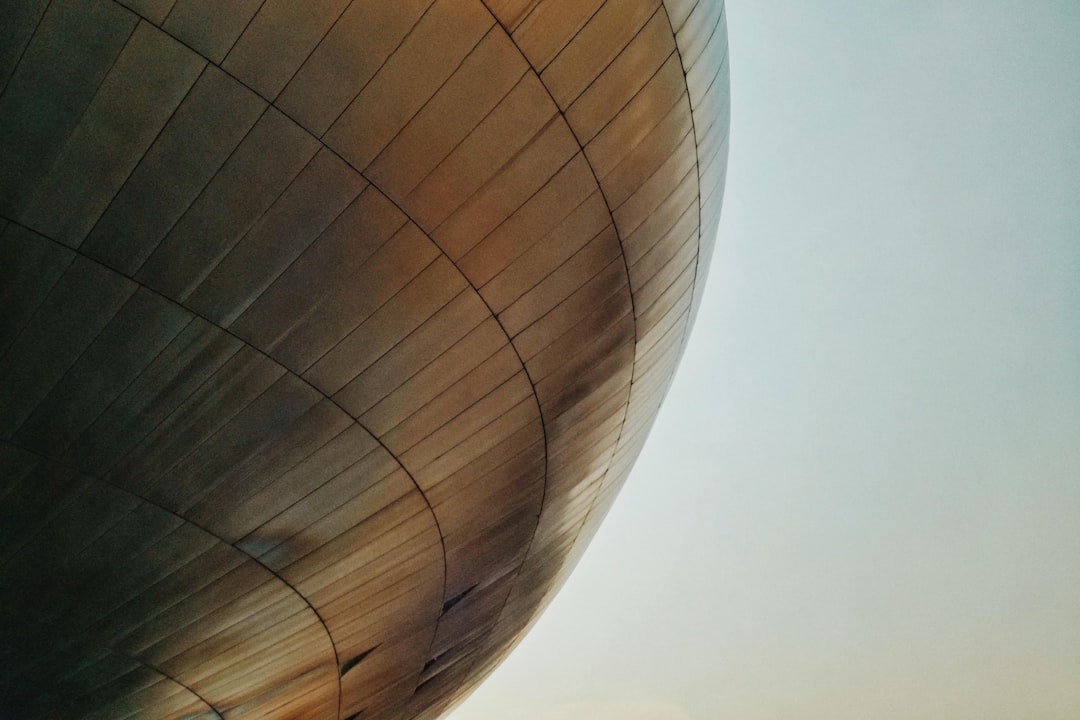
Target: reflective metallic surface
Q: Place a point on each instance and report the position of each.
(330, 331)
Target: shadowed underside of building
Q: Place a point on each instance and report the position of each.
(328, 332)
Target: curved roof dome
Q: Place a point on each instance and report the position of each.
(330, 331)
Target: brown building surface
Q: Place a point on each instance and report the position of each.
(328, 332)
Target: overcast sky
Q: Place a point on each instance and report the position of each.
(862, 497)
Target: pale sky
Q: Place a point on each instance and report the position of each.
(862, 497)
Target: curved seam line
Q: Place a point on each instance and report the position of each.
(613, 60)
(697, 258)
(226, 331)
(22, 53)
(615, 448)
(626, 268)
(468, 134)
(510, 342)
(494, 316)
(697, 255)
(345, 109)
(697, 152)
(607, 204)
(157, 136)
(239, 35)
(164, 674)
(302, 63)
(712, 84)
(97, 88)
(77, 359)
(198, 196)
(220, 66)
(688, 14)
(543, 424)
(209, 532)
(705, 44)
(45, 296)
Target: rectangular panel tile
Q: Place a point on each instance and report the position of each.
(523, 446)
(564, 382)
(713, 59)
(483, 426)
(190, 359)
(537, 262)
(434, 395)
(408, 309)
(532, 223)
(652, 193)
(342, 306)
(556, 287)
(649, 291)
(29, 267)
(427, 57)
(142, 327)
(21, 19)
(409, 356)
(149, 79)
(637, 119)
(622, 79)
(241, 379)
(644, 159)
(518, 121)
(511, 188)
(283, 450)
(291, 487)
(579, 395)
(210, 26)
(283, 539)
(346, 59)
(566, 315)
(69, 55)
(324, 268)
(655, 226)
(202, 133)
(673, 299)
(550, 26)
(485, 77)
(607, 313)
(682, 232)
(254, 430)
(258, 171)
(81, 303)
(315, 198)
(277, 40)
(598, 43)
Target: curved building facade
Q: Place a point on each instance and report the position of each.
(329, 332)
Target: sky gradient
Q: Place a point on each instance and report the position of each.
(862, 496)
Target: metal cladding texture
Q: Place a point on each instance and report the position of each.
(329, 331)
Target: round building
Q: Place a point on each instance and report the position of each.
(329, 332)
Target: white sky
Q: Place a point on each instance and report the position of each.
(862, 497)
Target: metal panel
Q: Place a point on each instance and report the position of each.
(202, 133)
(339, 385)
(277, 40)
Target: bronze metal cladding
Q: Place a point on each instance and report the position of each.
(329, 331)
